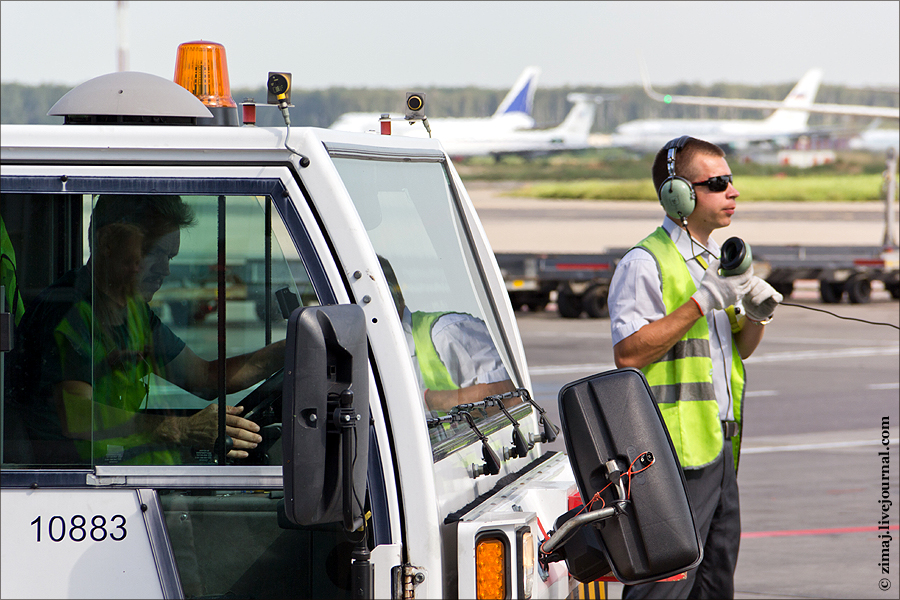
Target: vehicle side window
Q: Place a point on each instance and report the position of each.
(129, 303)
(442, 302)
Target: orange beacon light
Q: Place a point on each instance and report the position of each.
(201, 69)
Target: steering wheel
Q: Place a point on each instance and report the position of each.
(265, 395)
(257, 406)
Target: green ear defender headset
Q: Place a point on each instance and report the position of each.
(736, 257)
(676, 194)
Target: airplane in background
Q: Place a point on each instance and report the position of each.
(509, 131)
(572, 134)
(875, 139)
(513, 113)
(878, 112)
(789, 121)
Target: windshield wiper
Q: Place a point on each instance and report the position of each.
(549, 429)
(491, 464)
(521, 446)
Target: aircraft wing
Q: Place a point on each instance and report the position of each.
(832, 109)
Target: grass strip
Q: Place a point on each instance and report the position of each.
(836, 188)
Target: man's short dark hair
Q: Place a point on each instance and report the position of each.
(154, 215)
(684, 159)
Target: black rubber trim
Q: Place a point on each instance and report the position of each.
(501, 483)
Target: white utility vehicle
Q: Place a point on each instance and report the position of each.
(368, 481)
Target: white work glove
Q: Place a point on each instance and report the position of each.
(717, 292)
(760, 300)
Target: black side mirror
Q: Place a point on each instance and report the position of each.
(615, 435)
(326, 415)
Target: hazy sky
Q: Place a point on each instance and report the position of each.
(486, 44)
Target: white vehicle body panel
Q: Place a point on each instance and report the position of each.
(420, 490)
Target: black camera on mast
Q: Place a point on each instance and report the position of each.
(415, 106)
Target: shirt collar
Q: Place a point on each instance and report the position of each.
(683, 242)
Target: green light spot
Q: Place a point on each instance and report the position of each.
(667, 99)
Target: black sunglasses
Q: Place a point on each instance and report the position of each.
(716, 184)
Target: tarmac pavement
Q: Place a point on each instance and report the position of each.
(520, 224)
(810, 500)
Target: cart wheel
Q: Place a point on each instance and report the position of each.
(594, 302)
(536, 306)
(894, 290)
(859, 289)
(568, 305)
(518, 300)
(831, 291)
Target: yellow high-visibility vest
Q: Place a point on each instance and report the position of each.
(682, 381)
(434, 374)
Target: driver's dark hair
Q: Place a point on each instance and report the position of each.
(154, 215)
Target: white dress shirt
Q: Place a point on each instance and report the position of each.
(465, 347)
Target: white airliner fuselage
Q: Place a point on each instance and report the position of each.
(509, 131)
(786, 123)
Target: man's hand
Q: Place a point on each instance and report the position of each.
(202, 430)
(717, 292)
(761, 300)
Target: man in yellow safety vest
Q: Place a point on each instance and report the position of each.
(688, 326)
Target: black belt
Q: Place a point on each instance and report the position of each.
(730, 429)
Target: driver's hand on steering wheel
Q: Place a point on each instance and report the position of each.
(202, 430)
(242, 431)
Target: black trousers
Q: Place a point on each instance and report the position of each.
(713, 493)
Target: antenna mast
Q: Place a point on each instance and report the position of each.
(121, 35)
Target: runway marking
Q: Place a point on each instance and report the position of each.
(761, 393)
(821, 341)
(822, 446)
(762, 358)
(820, 354)
(573, 334)
(883, 386)
(555, 369)
(830, 531)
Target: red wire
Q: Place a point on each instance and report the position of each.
(544, 533)
(630, 472)
(597, 496)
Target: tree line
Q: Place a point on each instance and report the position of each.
(24, 104)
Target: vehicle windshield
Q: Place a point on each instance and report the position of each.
(413, 220)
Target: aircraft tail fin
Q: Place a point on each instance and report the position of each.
(520, 97)
(803, 95)
(581, 116)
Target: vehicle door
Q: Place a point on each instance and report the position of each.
(249, 253)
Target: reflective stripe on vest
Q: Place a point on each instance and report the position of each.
(434, 374)
(681, 380)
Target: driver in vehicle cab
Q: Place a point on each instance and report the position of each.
(86, 346)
